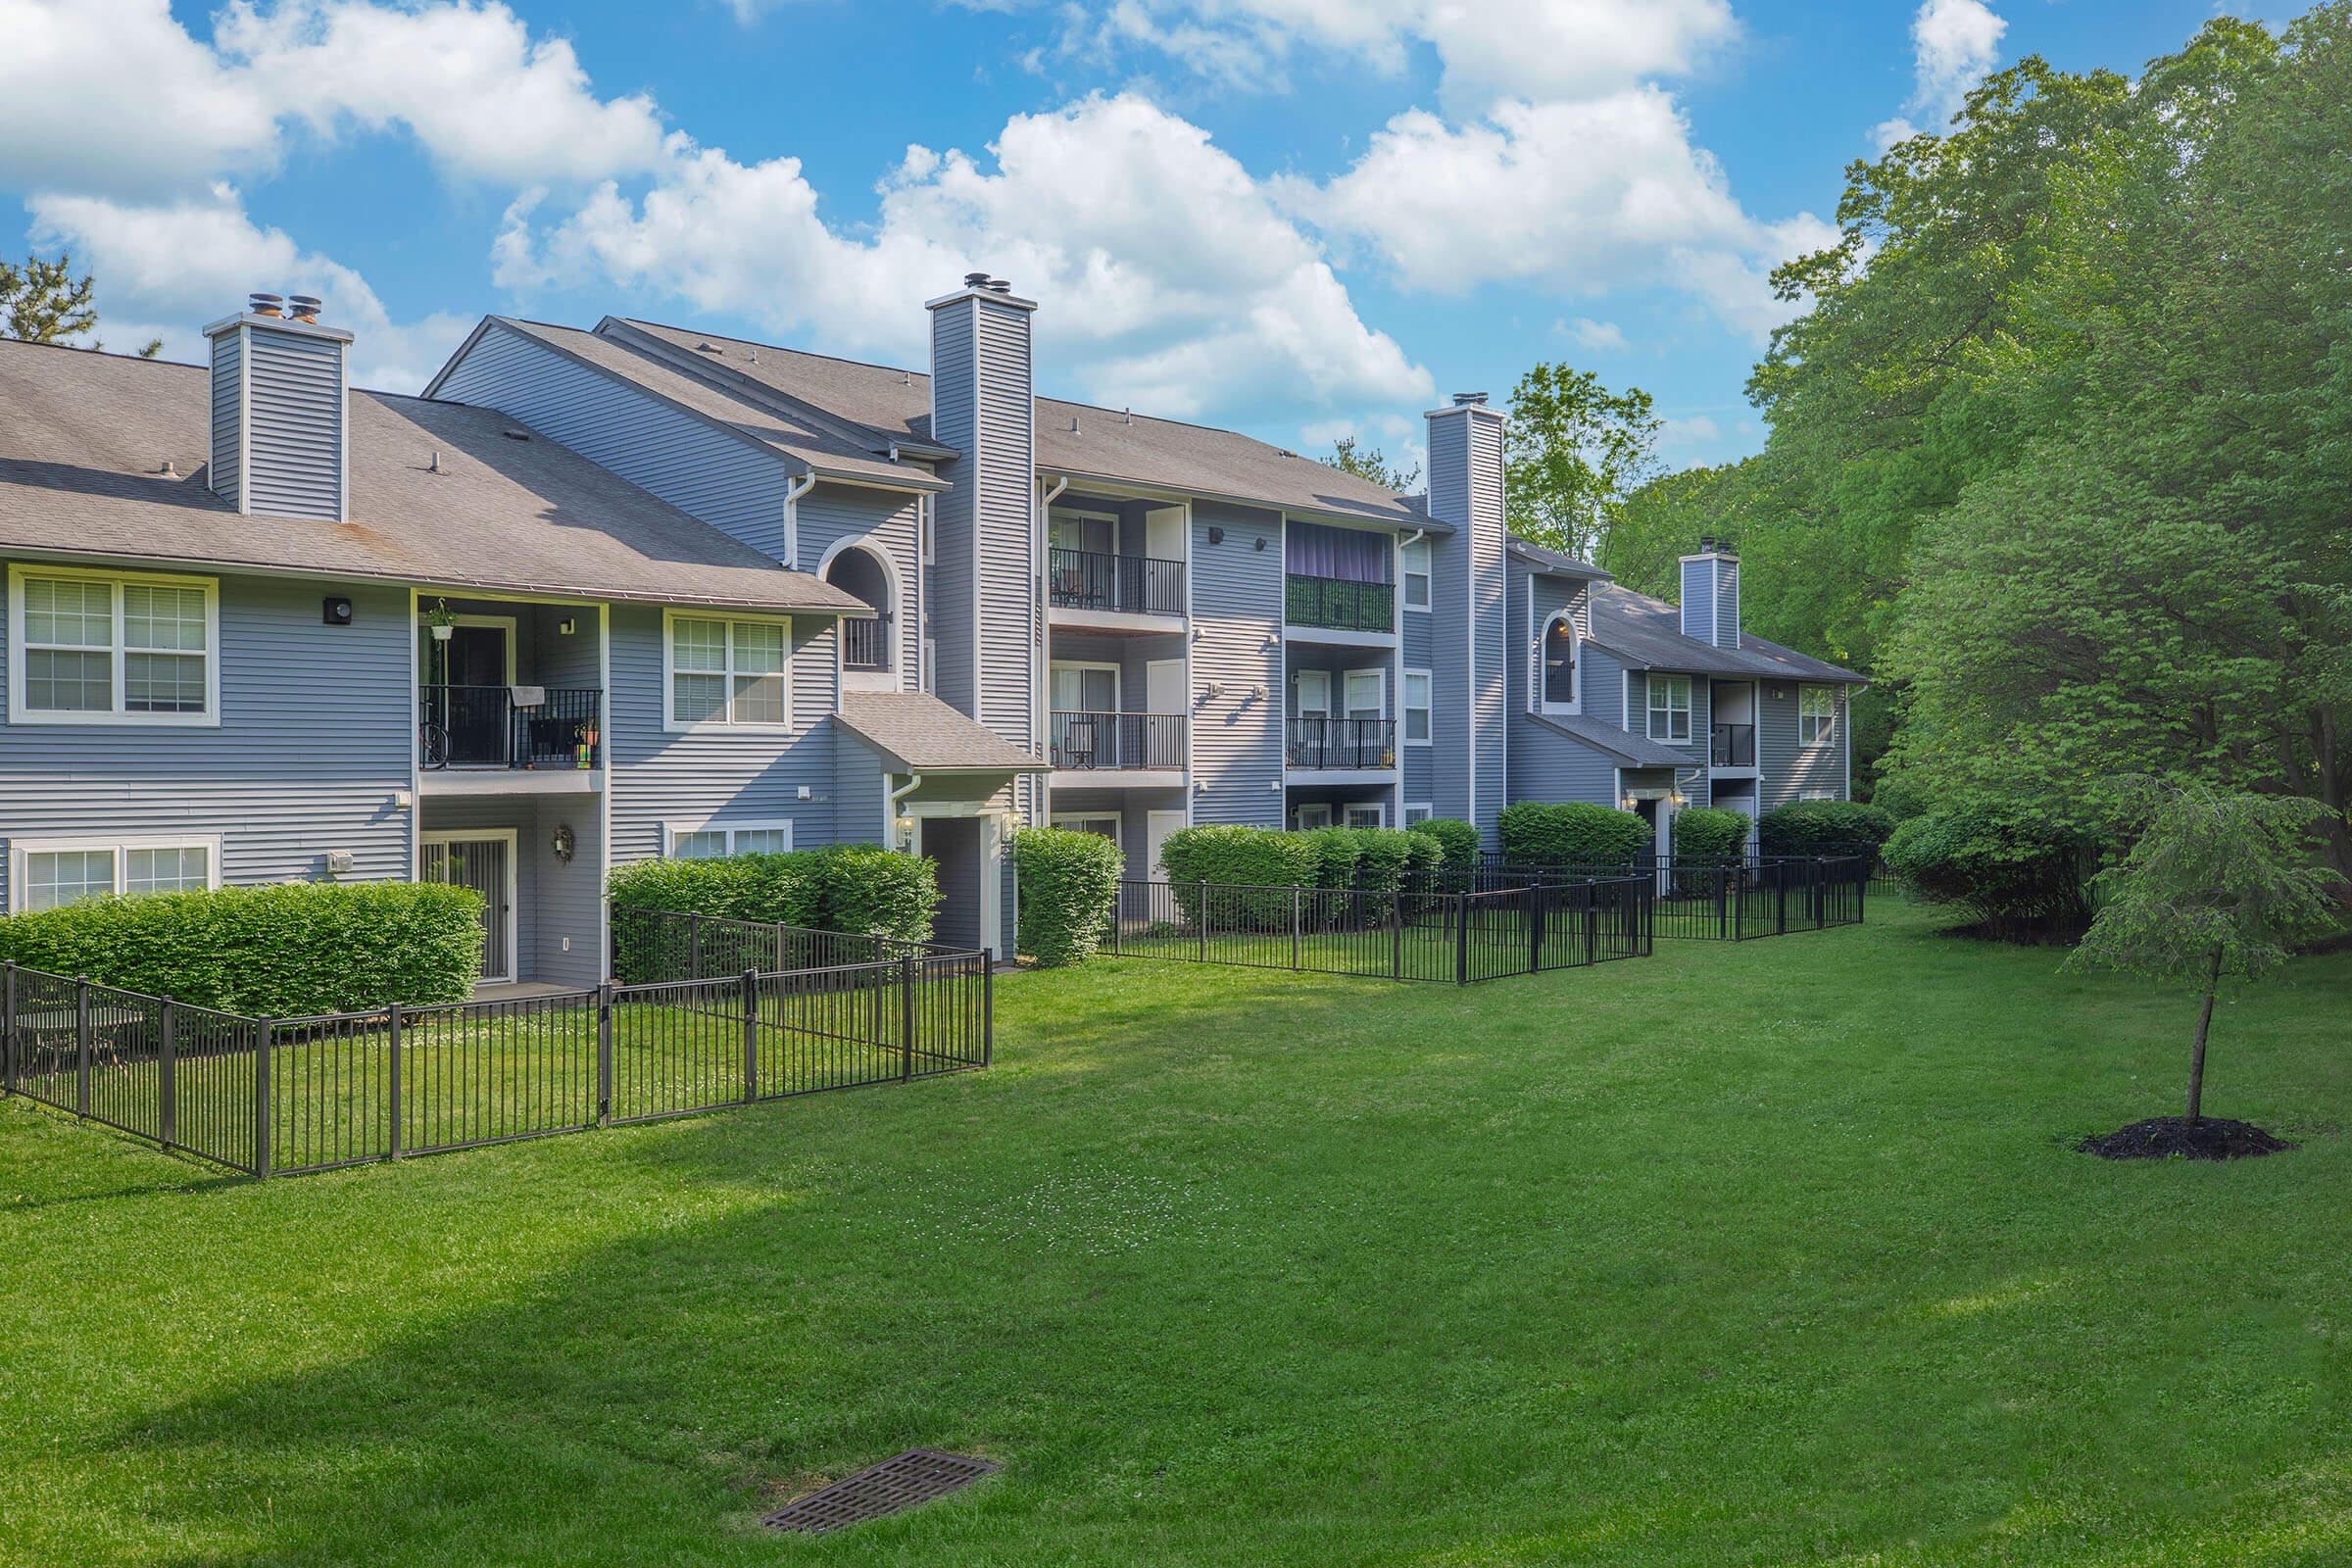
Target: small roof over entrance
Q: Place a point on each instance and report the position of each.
(915, 732)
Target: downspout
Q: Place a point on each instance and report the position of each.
(791, 516)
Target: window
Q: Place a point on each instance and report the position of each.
(53, 872)
(114, 649)
(929, 527)
(713, 841)
(1105, 825)
(931, 664)
(1312, 816)
(1084, 688)
(1367, 814)
(1557, 682)
(1418, 812)
(1416, 574)
(1416, 707)
(1366, 693)
(728, 672)
(1669, 707)
(1815, 715)
(1083, 530)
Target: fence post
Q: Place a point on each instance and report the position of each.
(604, 1054)
(1200, 924)
(7, 1024)
(392, 1089)
(1780, 902)
(905, 1017)
(751, 1036)
(1534, 929)
(82, 1046)
(693, 945)
(988, 1006)
(1397, 935)
(264, 1034)
(1461, 938)
(1297, 895)
(167, 1077)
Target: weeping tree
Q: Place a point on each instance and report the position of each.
(2219, 885)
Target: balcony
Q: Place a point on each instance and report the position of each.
(1732, 746)
(1088, 580)
(485, 737)
(1121, 742)
(1342, 745)
(1334, 604)
(866, 643)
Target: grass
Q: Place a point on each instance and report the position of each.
(1763, 1253)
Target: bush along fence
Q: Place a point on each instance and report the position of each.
(1723, 899)
(276, 1096)
(1400, 934)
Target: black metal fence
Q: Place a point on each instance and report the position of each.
(651, 946)
(1396, 935)
(1723, 899)
(279, 1096)
(1089, 742)
(1341, 743)
(1089, 579)
(865, 641)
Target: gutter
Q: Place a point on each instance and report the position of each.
(792, 517)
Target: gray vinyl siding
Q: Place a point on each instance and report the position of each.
(1545, 764)
(1786, 769)
(888, 523)
(1491, 653)
(1698, 601)
(1727, 605)
(953, 608)
(659, 775)
(1448, 662)
(1604, 689)
(1134, 656)
(293, 426)
(1010, 634)
(860, 815)
(225, 475)
(314, 744)
(1693, 774)
(568, 896)
(1421, 762)
(1237, 623)
(1465, 489)
(726, 480)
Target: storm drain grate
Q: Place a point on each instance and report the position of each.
(914, 1476)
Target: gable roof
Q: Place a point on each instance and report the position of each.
(916, 730)
(1076, 439)
(1552, 563)
(1620, 746)
(1647, 633)
(87, 435)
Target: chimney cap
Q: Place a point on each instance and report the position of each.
(1469, 400)
(975, 281)
(305, 306)
(261, 304)
(998, 285)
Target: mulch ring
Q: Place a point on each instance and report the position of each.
(2174, 1138)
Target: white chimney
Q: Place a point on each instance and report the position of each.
(281, 411)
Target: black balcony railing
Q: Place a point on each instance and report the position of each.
(1337, 605)
(1733, 746)
(484, 726)
(1088, 580)
(1343, 742)
(1092, 742)
(866, 643)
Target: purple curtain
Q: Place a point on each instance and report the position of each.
(1351, 555)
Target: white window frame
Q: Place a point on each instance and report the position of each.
(930, 675)
(1071, 820)
(671, 832)
(1084, 512)
(1407, 572)
(1118, 694)
(1298, 821)
(1380, 704)
(1651, 709)
(725, 723)
(1426, 810)
(1816, 729)
(1818, 794)
(1576, 665)
(21, 851)
(1379, 809)
(20, 713)
(928, 544)
(1406, 706)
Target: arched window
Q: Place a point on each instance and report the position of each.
(1558, 675)
(866, 644)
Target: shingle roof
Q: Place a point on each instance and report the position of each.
(1554, 563)
(916, 730)
(1622, 747)
(1104, 443)
(83, 436)
(809, 442)
(1648, 634)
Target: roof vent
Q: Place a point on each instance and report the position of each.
(515, 435)
(306, 308)
(705, 346)
(997, 286)
(434, 466)
(1469, 400)
(975, 281)
(754, 354)
(264, 304)
(1127, 415)
(169, 470)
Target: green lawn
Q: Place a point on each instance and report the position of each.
(1763, 1253)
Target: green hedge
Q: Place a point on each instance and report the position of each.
(1457, 838)
(1710, 832)
(857, 887)
(281, 951)
(1572, 833)
(2022, 879)
(1069, 884)
(1821, 827)
(1335, 854)
(1251, 856)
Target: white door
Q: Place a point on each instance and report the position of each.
(1163, 533)
(1313, 694)
(1164, 686)
(1158, 825)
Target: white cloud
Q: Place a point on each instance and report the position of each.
(1585, 332)
(168, 268)
(1697, 430)
(1955, 44)
(116, 96)
(1580, 197)
(1171, 280)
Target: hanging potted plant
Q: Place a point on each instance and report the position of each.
(441, 619)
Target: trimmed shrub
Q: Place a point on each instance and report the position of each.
(1824, 827)
(1069, 884)
(1710, 833)
(1336, 852)
(1253, 857)
(281, 951)
(1457, 838)
(2022, 878)
(861, 888)
(1424, 858)
(877, 892)
(1571, 833)
(1384, 858)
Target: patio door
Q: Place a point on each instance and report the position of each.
(485, 861)
(477, 661)
(1313, 694)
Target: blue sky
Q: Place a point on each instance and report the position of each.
(1295, 216)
